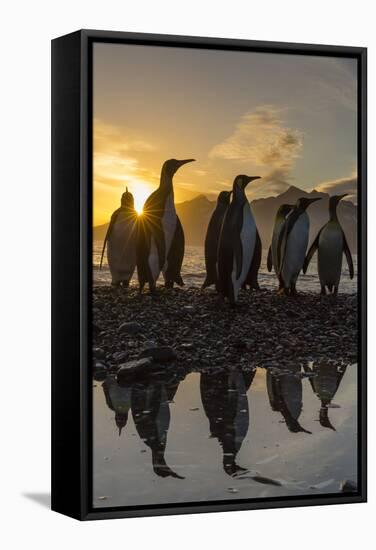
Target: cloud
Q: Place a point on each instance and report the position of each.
(338, 187)
(261, 139)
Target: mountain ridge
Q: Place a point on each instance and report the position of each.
(195, 214)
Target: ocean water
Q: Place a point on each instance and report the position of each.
(193, 271)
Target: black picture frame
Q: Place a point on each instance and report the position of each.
(71, 272)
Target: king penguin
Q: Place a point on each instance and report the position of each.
(279, 222)
(331, 244)
(292, 245)
(212, 237)
(121, 240)
(236, 242)
(161, 238)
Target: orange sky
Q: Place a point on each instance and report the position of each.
(290, 119)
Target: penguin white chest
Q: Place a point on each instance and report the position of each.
(169, 221)
(248, 241)
(296, 248)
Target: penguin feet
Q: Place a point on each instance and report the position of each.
(169, 284)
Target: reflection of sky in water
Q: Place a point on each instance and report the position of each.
(193, 271)
(273, 447)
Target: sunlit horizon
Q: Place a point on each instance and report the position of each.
(290, 119)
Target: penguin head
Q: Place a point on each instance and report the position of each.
(242, 181)
(121, 420)
(171, 166)
(224, 197)
(334, 200)
(324, 418)
(127, 200)
(304, 202)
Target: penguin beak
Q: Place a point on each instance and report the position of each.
(249, 179)
(185, 161)
(340, 197)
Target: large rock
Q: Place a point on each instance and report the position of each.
(132, 368)
(160, 353)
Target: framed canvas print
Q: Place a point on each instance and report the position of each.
(209, 274)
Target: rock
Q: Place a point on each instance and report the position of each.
(348, 486)
(119, 356)
(149, 344)
(130, 327)
(131, 368)
(161, 353)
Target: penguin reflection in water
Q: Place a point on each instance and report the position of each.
(224, 398)
(325, 383)
(285, 391)
(279, 224)
(148, 399)
(121, 240)
(161, 244)
(331, 244)
(237, 241)
(292, 245)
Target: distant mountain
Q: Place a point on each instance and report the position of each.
(195, 215)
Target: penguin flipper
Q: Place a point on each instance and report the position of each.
(283, 238)
(158, 234)
(347, 252)
(176, 255)
(269, 261)
(238, 256)
(314, 246)
(152, 216)
(255, 264)
(108, 233)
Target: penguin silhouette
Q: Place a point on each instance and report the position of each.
(118, 399)
(331, 244)
(160, 244)
(237, 241)
(121, 240)
(285, 393)
(151, 415)
(292, 245)
(226, 406)
(325, 385)
(212, 237)
(279, 222)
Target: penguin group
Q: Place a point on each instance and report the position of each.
(154, 242)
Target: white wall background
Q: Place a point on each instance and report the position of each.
(27, 28)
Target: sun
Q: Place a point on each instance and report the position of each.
(140, 192)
